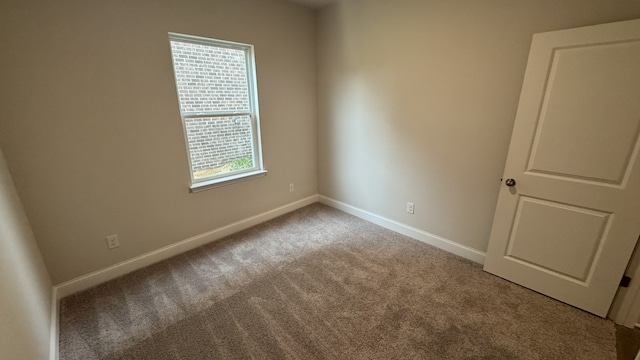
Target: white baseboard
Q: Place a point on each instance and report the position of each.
(54, 327)
(420, 235)
(97, 277)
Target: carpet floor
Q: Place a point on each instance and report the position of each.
(321, 284)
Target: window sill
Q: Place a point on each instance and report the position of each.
(212, 184)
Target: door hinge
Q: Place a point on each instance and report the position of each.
(625, 281)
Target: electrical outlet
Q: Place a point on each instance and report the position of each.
(112, 242)
(410, 207)
(291, 187)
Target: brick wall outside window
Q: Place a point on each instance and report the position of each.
(214, 142)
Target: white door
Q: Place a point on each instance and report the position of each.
(569, 224)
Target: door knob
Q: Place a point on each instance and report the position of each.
(510, 182)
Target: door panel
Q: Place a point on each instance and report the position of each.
(585, 83)
(546, 233)
(568, 226)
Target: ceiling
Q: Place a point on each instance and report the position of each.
(313, 3)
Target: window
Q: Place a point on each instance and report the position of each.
(218, 102)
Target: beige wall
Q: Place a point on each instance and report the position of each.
(25, 288)
(417, 100)
(83, 81)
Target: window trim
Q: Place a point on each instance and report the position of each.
(253, 113)
(228, 180)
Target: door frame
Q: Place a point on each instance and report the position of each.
(625, 309)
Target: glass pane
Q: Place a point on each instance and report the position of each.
(219, 145)
(210, 78)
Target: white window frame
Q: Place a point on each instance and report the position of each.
(258, 169)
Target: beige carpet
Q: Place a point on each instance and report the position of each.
(320, 284)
